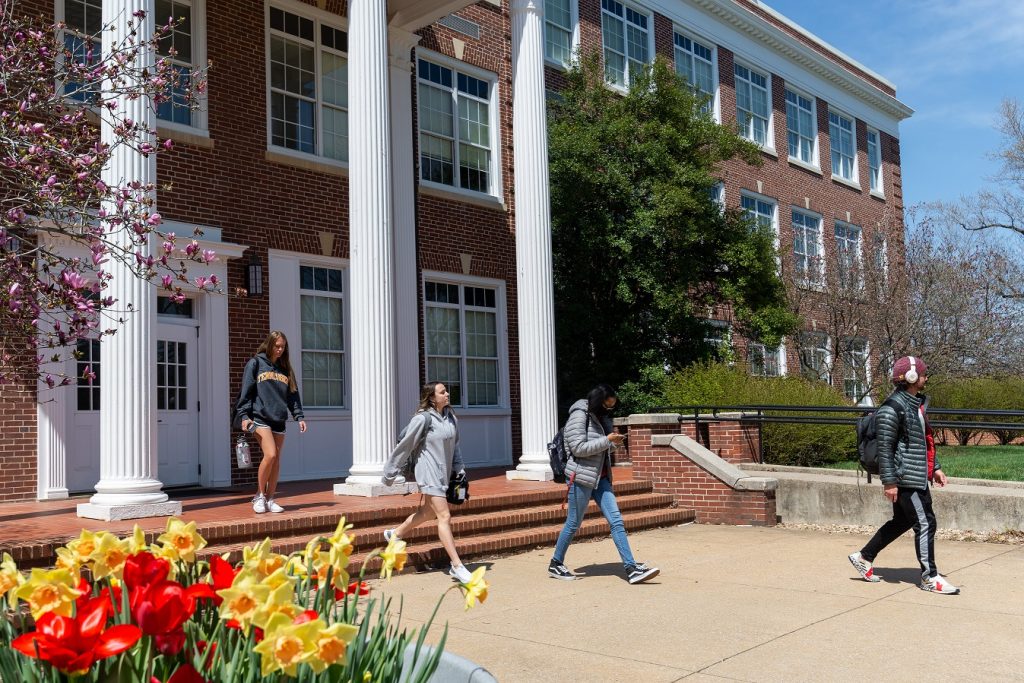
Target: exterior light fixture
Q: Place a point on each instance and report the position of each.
(255, 275)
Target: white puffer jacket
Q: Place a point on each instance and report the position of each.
(590, 447)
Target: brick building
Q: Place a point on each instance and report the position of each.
(376, 180)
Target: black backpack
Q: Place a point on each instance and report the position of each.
(867, 437)
(559, 454)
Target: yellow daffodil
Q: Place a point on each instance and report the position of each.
(392, 558)
(109, 556)
(243, 599)
(181, 540)
(49, 591)
(260, 559)
(82, 547)
(331, 644)
(337, 559)
(296, 565)
(10, 578)
(367, 677)
(137, 541)
(286, 645)
(68, 560)
(277, 579)
(475, 588)
(340, 539)
(279, 601)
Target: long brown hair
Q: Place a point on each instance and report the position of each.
(427, 395)
(283, 361)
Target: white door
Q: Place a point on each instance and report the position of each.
(82, 444)
(177, 404)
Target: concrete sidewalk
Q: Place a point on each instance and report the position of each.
(737, 604)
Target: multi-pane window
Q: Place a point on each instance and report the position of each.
(881, 254)
(848, 254)
(718, 335)
(875, 160)
(855, 369)
(761, 210)
(321, 306)
(83, 19)
(764, 361)
(753, 104)
(694, 63)
(308, 85)
(807, 247)
(455, 127)
(840, 130)
(558, 31)
(800, 126)
(87, 358)
(178, 40)
(171, 375)
(625, 33)
(462, 341)
(717, 194)
(814, 356)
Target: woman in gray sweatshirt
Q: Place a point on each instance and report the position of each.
(431, 441)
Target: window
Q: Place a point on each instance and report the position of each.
(875, 160)
(308, 86)
(800, 127)
(558, 30)
(814, 356)
(455, 128)
(695, 63)
(761, 210)
(462, 341)
(171, 375)
(765, 362)
(321, 312)
(718, 336)
(840, 130)
(807, 249)
(753, 105)
(177, 109)
(87, 358)
(83, 19)
(625, 34)
(881, 254)
(717, 194)
(855, 369)
(848, 255)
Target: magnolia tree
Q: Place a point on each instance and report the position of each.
(54, 200)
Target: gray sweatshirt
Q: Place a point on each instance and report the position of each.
(431, 442)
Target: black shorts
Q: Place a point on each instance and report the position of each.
(273, 425)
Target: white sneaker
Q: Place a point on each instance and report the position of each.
(273, 506)
(389, 534)
(259, 504)
(939, 584)
(460, 573)
(863, 567)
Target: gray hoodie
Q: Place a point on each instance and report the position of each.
(431, 442)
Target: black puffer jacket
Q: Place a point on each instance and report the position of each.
(903, 454)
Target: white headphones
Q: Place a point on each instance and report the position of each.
(911, 375)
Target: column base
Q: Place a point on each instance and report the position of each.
(537, 474)
(55, 494)
(372, 490)
(114, 513)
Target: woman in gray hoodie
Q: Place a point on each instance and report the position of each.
(431, 441)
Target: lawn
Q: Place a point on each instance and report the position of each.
(1005, 463)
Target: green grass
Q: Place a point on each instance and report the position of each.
(1004, 463)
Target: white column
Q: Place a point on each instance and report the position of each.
(52, 464)
(128, 486)
(371, 251)
(535, 291)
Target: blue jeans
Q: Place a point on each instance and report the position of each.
(579, 496)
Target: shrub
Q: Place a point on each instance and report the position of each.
(781, 443)
(980, 393)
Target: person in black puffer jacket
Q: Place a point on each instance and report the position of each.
(906, 465)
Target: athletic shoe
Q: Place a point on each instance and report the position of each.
(259, 504)
(863, 567)
(939, 584)
(557, 570)
(640, 572)
(273, 506)
(389, 534)
(460, 573)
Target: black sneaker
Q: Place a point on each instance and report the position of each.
(641, 572)
(557, 570)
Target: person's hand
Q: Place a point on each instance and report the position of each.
(890, 491)
(302, 426)
(616, 438)
(939, 477)
(245, 425)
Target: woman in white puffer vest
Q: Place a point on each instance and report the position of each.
(590, 441)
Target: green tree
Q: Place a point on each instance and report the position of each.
(641, 246)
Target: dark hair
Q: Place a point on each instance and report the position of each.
(597, 396)
(282, 362)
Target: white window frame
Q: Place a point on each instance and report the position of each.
(574, 36)
(832, 128)
(812, 163)
(714, 103)
(876, 179)
(318, 17)
(494, 123)
(650, 40)
(804, 278)
(881, 256)
(849, 367)
(822, 348)
(501, 329)
(858, 254)
(722, 344)
(746, 124)
(297, 364)
(778, 352)
(717, 194)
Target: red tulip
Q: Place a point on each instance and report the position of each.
(163, 607)
(73, 645)
(143, 569)
(308, 615)
(360, 587)
(222, 575)
(185, 673)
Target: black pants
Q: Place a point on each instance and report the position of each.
(912, 510)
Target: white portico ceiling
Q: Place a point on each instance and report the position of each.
(410, 15)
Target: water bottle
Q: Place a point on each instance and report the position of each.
(242, 453)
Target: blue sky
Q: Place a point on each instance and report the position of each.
(953, 62)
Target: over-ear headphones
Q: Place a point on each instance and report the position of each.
(911, 375)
